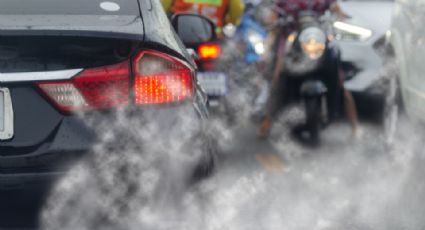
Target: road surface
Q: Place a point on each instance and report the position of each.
(280, 184)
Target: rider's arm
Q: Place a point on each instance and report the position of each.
(167, 4)
(337, 10)
(235, 11)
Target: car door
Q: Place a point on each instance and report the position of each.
(409, 43)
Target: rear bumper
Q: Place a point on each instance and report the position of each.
(72, 142)
(36, 172)
(29, 181)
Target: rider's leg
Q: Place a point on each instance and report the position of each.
(275, 87)
(262, 97)
(272, 107)
(350, 107)
(351, 112)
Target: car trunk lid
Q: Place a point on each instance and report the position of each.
(120, 18)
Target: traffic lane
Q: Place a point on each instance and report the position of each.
(359, 184)
(246, 151)
(278, 183)
(292, 181)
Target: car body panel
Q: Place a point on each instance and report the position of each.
(373, 15)
(66, 7)
(408, 40)
(30, 131)
(50, 17)
(38, 76)
(130, 27)
(162, 32)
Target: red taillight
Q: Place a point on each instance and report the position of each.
(209, 51)
(97, 88)
(161, 79)
(158, 79)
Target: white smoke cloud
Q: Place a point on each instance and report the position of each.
(142, 182)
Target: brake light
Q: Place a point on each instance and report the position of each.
(209, 51)
(97, 88)
(160, 79)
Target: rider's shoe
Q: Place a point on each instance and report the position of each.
(357, 133)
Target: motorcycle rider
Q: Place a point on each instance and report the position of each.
(279, 35)
(220, 12)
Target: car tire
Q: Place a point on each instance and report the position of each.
(208, 162)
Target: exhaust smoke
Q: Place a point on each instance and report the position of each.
(144, 181)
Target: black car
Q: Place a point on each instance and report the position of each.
(67, 68)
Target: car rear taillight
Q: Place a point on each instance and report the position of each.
(209, 51)
(158, 79)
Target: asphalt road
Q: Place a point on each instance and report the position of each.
(278, 183)
(343, 184)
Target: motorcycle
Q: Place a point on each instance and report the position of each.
(213, 80)
(253, 35)
(311, 73)
(225, 63)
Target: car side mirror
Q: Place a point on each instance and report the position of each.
(193, 29)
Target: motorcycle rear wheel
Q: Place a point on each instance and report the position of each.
(313, 114)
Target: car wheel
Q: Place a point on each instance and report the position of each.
(208, 162)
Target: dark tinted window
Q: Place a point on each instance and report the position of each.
(79, 7)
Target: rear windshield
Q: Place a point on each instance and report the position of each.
(67, 7)
(34, 54)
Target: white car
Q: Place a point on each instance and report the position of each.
(362, 39)
(408, 41)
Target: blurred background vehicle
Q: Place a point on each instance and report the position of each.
(252, 34)
(244, 58)
(311, 73)
(365, 51)
(213, 80)
(408, 42)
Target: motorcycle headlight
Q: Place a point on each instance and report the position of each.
(313, 42)
(257, 41)
(345, 31)
(259, 48)
(229, 30)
